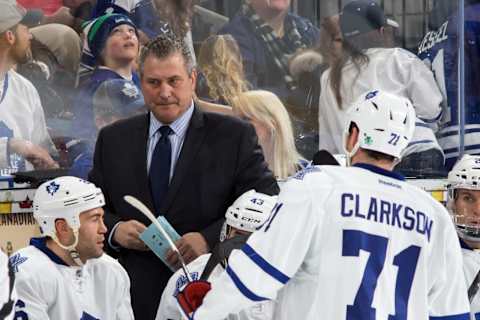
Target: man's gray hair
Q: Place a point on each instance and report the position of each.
(163, 46)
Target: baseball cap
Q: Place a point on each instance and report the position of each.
(117, 97)
(32, 18)
(361, 16)
(11, 14)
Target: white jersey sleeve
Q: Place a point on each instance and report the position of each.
(420, 84)
(271, 256)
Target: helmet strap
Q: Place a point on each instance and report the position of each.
(72, 250)
(349, 154)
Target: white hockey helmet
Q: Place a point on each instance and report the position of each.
(385, 122)
(64, 198)
(249, 211)
(464, 175)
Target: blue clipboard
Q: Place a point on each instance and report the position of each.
(154, 239)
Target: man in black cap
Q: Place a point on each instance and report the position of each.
(368, 61)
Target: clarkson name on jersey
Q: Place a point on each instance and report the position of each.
(387, 212)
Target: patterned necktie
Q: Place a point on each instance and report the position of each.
(160, 168)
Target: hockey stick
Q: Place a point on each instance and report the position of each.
(473, 289)
(143, 209)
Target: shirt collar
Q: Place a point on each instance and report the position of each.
(380, 171)
(179, 126)
(41, 244)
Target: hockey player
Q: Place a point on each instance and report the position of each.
(244, 216)
(349, 242)
(464, 205)
(65, 274)
(6, 289)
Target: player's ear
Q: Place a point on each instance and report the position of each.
(352, 137)
(63, 230)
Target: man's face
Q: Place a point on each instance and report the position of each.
(167, 87)
(91, 234)
(467, 204)
(20, 50)
(121, 45)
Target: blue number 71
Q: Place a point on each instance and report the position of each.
(394, 139)
(406, 261)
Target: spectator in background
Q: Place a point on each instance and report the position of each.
(113, 41)
(114, 99)
(52, 24)
(24, 140)
(366, 64)
(439, 50)
(264, 110)
(152, 18)
(268, 35)
(178, 15)
(221, 66)
(306, 67)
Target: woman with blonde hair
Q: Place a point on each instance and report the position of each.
(264, 110)
(221, 65)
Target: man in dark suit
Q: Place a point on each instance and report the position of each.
(181, 162)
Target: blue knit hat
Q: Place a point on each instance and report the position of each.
(98, 30)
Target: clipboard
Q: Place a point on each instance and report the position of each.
(157, 242)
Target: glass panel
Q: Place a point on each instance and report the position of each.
(293, 48)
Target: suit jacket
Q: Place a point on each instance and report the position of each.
(220, 159)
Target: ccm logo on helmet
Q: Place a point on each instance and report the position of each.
(251, 220)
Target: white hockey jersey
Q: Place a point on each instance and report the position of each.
(394, 70)
(7, 293)
(168, 308)
(21, 117)
(471, 266)
(348, 243)
(49, 289)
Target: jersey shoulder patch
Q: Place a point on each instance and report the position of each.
(16, 260)
(300, 175)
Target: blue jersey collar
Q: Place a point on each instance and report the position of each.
(381, 171)
(41, 244)
(464, 245)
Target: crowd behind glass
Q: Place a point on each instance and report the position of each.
(302, 71)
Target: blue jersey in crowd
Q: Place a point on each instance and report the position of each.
(439, 49)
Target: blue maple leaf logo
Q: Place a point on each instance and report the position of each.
(53, 187)
(301, 174)
(371, 95)
(16, 260)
